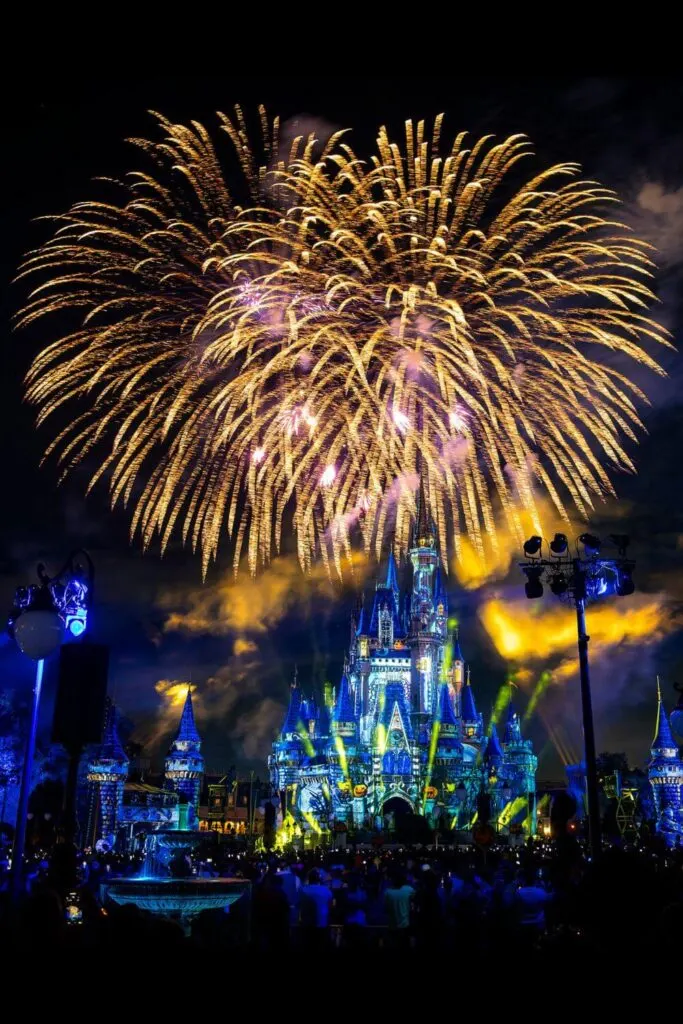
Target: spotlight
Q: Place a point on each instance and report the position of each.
(625, 584)
(621, 542)
(533, 587)
(532, 546)
(591, 544)
(558, 584)
(559, 544)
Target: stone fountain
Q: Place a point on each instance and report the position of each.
(167, 886)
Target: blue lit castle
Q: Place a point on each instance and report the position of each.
(137, 807)
(402, 733)
(665, 772)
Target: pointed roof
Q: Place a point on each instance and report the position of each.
(187, 730)
(663, 740)
(343, 708)
(457, 652)
(396, 713)
(110, 749)
(468, 709)
(291, 722)
(424, 527)
(392, 575)
(493, 747)
(446, 712)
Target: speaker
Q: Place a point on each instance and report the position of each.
(81, 693)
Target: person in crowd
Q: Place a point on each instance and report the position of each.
(398, 897)
(314, 911)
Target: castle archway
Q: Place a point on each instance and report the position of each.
(399, 806)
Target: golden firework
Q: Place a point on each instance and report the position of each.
(312, 347)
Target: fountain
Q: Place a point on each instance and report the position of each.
(167, 886)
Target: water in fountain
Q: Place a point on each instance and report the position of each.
(150, 864)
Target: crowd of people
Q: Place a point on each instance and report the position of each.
(541, 899)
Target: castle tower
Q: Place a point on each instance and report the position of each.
(107, 773)
(424, 636)
(471, 720)
(665, 772)
(518, 768)
(343, 715)
(184, 767)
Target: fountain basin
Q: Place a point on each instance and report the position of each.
(178, 898)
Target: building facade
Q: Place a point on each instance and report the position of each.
(402, 732)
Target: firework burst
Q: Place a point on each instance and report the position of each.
(340, 326)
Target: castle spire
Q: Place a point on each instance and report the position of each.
(187, 730)
(493, 747)
(446, 713)
(343, 717)
(457, 651)
(392, 575)
(291, 722)
(424, 527)
(110, 748)
(663, 742)
(469, 708)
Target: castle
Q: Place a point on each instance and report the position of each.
(402, 732)
(116, 804)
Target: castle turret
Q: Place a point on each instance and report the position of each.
(448, 723)
(471, 722)
(513, 728)
(343, 716)
(184, 763)
(494, 751)
(107, 772)
(665, 772)
(292, 723)
(425, 637)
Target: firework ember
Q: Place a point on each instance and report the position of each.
(287, 348)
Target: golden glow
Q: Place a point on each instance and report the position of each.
(303, 348)
(522, 630)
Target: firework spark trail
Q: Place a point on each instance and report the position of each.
(294, 349)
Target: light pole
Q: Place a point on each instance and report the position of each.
(578, 579)
(37, 625)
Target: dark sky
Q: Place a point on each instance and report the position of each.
(624, 132)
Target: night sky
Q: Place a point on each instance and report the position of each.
(239, 646)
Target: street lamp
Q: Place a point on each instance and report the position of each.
(577, 579)
(37, 624)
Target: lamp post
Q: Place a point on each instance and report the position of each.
(577, 579)
(37, 623)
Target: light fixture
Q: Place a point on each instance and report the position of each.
(532, 546)
(558, 584)
(591, 544)
(559, 545)
(625, 584)
(38, 628)
(533, 587)
(621, 541)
